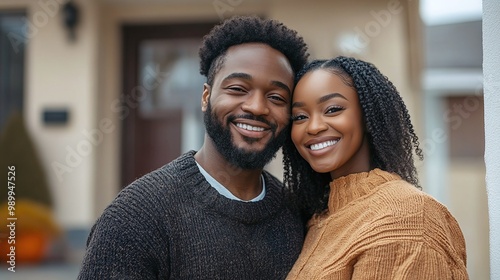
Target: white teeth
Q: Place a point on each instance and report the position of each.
(249, 127)
(323, 145)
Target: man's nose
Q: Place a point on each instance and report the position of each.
(256, 104)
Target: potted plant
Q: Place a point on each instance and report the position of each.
(27, 223)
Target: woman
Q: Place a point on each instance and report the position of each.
(349, 164)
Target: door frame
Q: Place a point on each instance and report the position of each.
(132, 36)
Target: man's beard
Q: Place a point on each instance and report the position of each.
(221, 136)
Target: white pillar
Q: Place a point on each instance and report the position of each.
(491, 70)
(435, 147)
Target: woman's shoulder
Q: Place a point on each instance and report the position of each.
(401, 195)
(430, 220)
(402, 202)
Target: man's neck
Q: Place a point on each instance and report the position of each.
(243, 183)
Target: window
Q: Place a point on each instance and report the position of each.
(465, 119)
(12, 48)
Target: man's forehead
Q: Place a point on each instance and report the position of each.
(258, 56)
(254, 48)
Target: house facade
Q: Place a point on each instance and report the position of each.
(121, 80)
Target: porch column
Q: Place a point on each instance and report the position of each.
(491, 66)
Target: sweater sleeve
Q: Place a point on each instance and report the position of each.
(406, 260)
(421, 240)
(120, 245)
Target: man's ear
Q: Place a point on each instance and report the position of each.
(205, 97)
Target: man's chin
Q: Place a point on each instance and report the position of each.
(253, 158)
(250, 149)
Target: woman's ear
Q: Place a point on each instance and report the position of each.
(205, 97)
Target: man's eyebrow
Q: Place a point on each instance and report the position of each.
(320, 100)
(237, 75)
(281, 85)
(245, 76)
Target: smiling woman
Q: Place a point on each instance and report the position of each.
(349, 164)
(323, 100)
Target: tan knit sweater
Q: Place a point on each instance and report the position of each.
(378, 226)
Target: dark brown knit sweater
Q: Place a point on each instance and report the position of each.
(171, 224)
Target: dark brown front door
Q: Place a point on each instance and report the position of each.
(152, 126)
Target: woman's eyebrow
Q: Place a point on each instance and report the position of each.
(330, 96)
(320, 100)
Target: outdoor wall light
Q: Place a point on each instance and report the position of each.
(55, 116)
(71, 18)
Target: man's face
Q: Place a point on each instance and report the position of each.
(247, 108)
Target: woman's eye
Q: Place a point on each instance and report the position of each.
(334, 109)
(298, 118)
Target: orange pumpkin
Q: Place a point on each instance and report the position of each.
(30, 247)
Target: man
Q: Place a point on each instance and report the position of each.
(215, 214)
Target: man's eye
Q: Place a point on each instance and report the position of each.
(237, 89)
(278, 98)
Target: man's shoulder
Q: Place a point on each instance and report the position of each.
(161, 183)
(180, 167)
(271, 180)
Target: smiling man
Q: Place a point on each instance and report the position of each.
(246, 110)
(215, 213)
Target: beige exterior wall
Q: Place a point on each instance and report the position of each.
(85, 77)
(61, 74)
(469, 204)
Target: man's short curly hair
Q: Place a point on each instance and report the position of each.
(250, 29)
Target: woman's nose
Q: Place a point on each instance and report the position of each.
(316, 125)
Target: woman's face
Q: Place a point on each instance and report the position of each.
(327, 125)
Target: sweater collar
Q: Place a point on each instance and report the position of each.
(211, 200)
(347, 189)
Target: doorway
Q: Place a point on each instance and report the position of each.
(162, 91)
